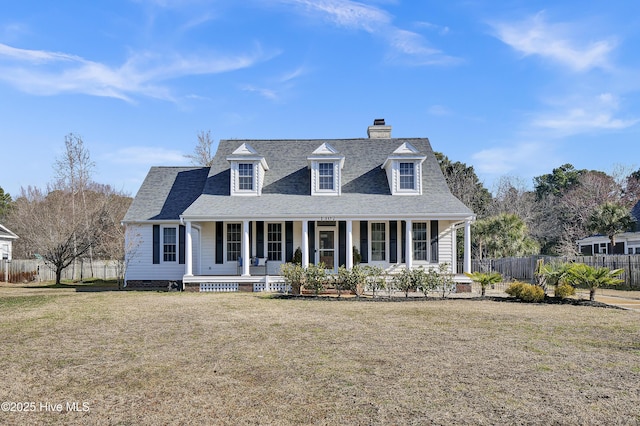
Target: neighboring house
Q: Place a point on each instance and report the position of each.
(626, 242)
(6, 243)
(232, 225)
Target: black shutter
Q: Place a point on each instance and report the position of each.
(434, 241)
(403, 241)
(393, 241)
(156, 244)
(364, 241)
(219, 243)
(312, 243)
(342, 243)
(260, 239)
(181, 242)
(288, 241)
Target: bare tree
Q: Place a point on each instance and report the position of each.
(73, 175)
(202, 155)
(47, 230)
(513, 197)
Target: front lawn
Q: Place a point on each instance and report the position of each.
(174, 358)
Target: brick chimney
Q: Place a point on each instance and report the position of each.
(379, 130)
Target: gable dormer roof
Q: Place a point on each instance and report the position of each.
(246, 152)
(326, 152)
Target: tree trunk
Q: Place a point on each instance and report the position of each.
(483, 291)
(592, 294)
(58, 274)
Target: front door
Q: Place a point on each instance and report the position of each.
(327, 248)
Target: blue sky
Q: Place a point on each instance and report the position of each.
(512, 87)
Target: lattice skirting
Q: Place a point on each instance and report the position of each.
(218, 287)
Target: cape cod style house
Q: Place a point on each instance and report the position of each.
(230, 226)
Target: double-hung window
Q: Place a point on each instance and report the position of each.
(378, 241)
(234, 239)
(245, 177)
(420, 241)
(169, 244)
(325, 176)
(274, 241)
(407, 176)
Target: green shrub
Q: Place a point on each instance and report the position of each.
(564, 290)
(526, 292)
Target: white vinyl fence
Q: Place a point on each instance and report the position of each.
(18, 271)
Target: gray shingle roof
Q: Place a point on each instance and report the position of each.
(169, 192)
(166, 192)
(6, 234)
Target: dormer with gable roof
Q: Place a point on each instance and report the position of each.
(326, 165)
(404, 170)
(247, 171)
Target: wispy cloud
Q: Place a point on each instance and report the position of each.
(277, 87)
(561, 43)
(143, 74)
(376, 21)
(438, 110)
(584, 115)
(503, 160)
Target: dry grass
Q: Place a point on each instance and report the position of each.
(178, 358)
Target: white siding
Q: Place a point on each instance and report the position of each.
(139, 242)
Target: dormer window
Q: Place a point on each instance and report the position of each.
(326, 165)
(407, 176)
(247, 171)
(404, 170)
(245, 177)
(325, 176)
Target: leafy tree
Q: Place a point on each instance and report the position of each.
(610, 219)
(562, 219)
(484, 279)
(559, 180)
(5, 203)
(465, 184)
(592, 277)
(202, 155)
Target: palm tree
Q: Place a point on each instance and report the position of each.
(592, 277)
(484, 279)
(610, 219)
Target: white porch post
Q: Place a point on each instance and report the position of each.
(246, 262)
(305, 243)
(188, 250)
(466, 266)
(349, 264)
(409, 245)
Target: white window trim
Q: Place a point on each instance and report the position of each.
(226, 242)
(386, 242)
(162, 244)
(315, 177)
(282, 242)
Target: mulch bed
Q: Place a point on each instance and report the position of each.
(350, 298)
